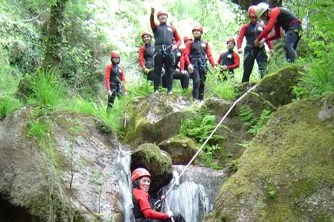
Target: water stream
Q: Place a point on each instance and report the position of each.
(194, 193)
(124, 182)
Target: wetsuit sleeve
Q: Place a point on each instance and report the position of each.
(241, 36)
(269, 43)
(141, 57)
(123, 76)
(176, 36)
(276, 35)
(142, 199)
(182, 60)
(152, 22)
(274, 13)
(219, 59)
(209, 55)
(236, 63)
(186, 54)
(123, 80)
(107, 77)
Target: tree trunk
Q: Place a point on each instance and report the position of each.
(53, 53)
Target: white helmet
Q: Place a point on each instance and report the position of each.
(261, 8)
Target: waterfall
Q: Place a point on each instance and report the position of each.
(122, 166)
(194, 194)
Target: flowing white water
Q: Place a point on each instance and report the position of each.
(189, 199)
(194, 193)
(124, 181)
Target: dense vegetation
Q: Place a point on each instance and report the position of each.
(91, 29)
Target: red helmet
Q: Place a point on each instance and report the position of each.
(115, 54)
(197, 28)
(145, 33)
(162, 13)
(252, 11)
(187, 38)
(230, 40)
(139, 172)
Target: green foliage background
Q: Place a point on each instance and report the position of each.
(94, 28)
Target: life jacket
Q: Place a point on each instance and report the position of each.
(285, 18)
(148, 56)
(163, 34)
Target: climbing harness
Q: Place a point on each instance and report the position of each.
(164, 50)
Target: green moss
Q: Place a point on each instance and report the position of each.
(151, 154)
(277, 212)
(286, 163)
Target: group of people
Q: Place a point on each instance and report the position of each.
(165, 61)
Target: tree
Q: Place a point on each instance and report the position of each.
(53, 55)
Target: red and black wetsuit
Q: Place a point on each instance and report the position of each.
(282, 17)
(163, 35)
(251, 53)
(231, 60)
(113, 77)
(145, 57)
(196, 53)
(142, 209)
(177, 72)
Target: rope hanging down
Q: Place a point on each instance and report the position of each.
(209, 137)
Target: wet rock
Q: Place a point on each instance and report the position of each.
(69, 169)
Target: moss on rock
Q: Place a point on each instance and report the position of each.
(286, 166)
(157, 161)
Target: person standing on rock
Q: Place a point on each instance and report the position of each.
(251, 31)
(145, 55)
(114, 79)
(163, 35)
(143, 210)
(196, 54)
(276, 18)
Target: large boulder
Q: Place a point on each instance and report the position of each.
(287, 173)
(155, 119)
(181, 148)
(60, 167)
(277, 88)
(156, 161)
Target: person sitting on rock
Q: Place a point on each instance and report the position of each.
(143, 210)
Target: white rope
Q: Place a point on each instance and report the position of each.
(209, 137)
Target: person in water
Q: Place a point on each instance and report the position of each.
(143, 209)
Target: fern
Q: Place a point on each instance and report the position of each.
(255, 124)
